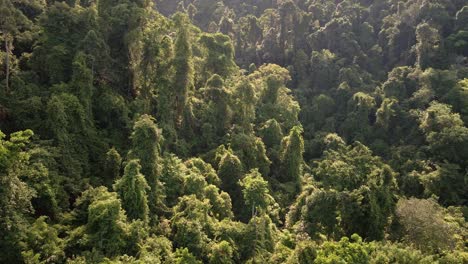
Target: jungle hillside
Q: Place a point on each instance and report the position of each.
(229, 131)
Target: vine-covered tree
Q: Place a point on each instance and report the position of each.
(256, 193)
(292, 162)
(183, 66)
(146, 137)
(132, 190)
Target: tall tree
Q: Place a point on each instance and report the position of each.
(230, 172)
(145, 147)
(183, 65)
(256, 193)
(15, 194)
(107, 224)
(222, 253)
(292, 162)
(123, 23)
(245, 104)
(219, 55)
(112, 166)
(12, 21)
(42, 243)
(132, 190)
(428, 41)
(82, 83)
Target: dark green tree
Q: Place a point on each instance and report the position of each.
(12, 21)
(15, 194)
(132, 190)
(42, 243)
(106, 226)
(230, 171)
(146, 138)
(428, 41)
(183, 66)
(222, 253)
(292, 162)
(256, 193)
(112, 167)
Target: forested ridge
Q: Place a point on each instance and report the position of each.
(257, 131)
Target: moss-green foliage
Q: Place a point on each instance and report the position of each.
(261, 235)
(209, 131)
(42, 243)
(132, 189)
(245, 100)
(343, 251)
(184, 256)
(256, 193)
(355, 185)
(221, 254)
(251, 151)
(276, 101)
(146, 137)
(230, 172)
(447, 138)
(183, 66)
(292, 163)
(100, 227)
(112, 167)
(15, 194)
(69, 126)
(106, 224)
(219, 54)
(272, 134)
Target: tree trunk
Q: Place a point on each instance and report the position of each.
(7, 64)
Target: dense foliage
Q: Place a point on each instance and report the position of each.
(227, 131)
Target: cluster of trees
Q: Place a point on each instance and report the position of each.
(233, 131)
